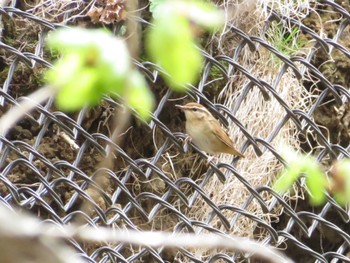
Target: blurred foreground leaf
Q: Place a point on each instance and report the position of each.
(316, 181)
(171, 41)
(94, 63)
(174, 50)
(297, 165)
(138, 96)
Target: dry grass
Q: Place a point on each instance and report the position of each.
(290, 8)
(60, 11)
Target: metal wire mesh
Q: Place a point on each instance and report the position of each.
(42, 172)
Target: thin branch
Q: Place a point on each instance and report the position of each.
(160, 239)
(17, 112)
(22, 226)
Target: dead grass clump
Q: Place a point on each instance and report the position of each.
(59, 11)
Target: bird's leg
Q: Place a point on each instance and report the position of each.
(210, 158)
(187, 139)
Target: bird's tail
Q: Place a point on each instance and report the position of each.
(233, 151)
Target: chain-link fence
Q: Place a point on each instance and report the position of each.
(50, 162)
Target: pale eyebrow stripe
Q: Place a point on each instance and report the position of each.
(200, 109)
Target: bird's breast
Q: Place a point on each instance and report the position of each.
(201, 136)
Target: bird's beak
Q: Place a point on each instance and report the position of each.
(180, 107)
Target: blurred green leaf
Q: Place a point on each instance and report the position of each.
(139, 96)
(203, 14)
(316, 182)
(296, 166)
(200, 13)
(154, 7)
(94, 63)
(64, 71)
(291, 173)
(170, 43)
(286, 180)
(79, 92)
(340, 198)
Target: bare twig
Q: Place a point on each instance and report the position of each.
(10, 118)
(159, 239)
(25, 227)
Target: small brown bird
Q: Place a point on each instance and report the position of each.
(205, 131)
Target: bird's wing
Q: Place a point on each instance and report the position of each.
(221, 134)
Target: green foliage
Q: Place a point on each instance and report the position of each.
(337, 185)
(286, 40)
(174, 50)
(137, 95)
(154, 4)
(171, 41)
(94, 63)
(316, 181)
